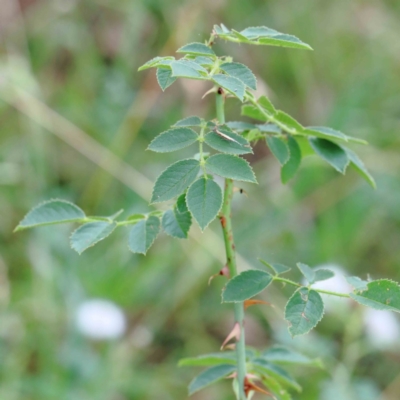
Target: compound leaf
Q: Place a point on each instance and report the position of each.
(241, 72)
(266, 104)
(175, 179)
(204, 200)
(231, 167)
(89, 234)
(231, 84)
(279, 149)
(330, 152)
(173, 139)
(290, 168)
(164, 78)
(303, 311)
(210, 376)
(51, 212)
(143, 234)
(382, 294)
(246, 285)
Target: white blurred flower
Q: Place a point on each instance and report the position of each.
(337, 283)
(100, 319)
(382, 328)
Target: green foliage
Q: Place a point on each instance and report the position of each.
(165, 78)
(331, 152)
(291, 166)
(303, 311)
(174, 180)
(143, 234)
(231, 167)
(205, 360)
(240, 72)
(382, 294)
(227, 141)
(276, 268)
(231, 84)
(198, 49)
(312, 275)
(246, 285)
(51, 212)
(285, 356)
(89, 234)
(173, 139)
(260, 35)
(210, 376)
(279, 149)
(204, 200)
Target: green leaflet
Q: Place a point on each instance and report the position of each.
(89, 234)
(248, 110)
(261, 35)
(314, 275)
(276, 268)
(176, 224)
(164, 78)
(246, 285)
(198, 49)
(237, 145)
(288, 171)
(231, 84)
(266, 104)
(303, 311)
(204, 200)
(189, 121)
(276, 388)
(173, 139)
(283, 355)
(240, 126)
(325, 133)
(51, 212)
(175, 179)
(278, 148)
(231, 167)
(357, 283)
(359, 166)
(210, 376)
(203, 61)
(241, 72)
(265, 367)
(330, 152)
(143, 234)
(157, 62)
(382, 294)
(269, 128)
(205, 360)
(187, 69)
(288, 123)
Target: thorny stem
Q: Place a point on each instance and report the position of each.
(226, 223)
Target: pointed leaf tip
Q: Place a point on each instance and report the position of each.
(51, 212)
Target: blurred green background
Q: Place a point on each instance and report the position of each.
(75, 120)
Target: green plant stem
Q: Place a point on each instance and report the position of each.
(288, 281)
(226, 223)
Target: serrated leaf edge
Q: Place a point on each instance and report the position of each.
(20, 228)
(97, 241)
(322, 315)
